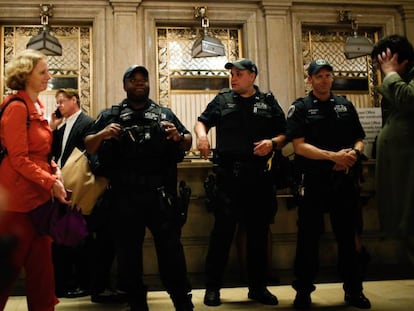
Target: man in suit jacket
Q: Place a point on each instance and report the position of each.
(69, 125)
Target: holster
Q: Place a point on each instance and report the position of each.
(210, 188)
(183, 201)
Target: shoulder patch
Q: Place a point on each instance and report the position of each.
(291, 111)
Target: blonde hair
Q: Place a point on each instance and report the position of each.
(20, 66)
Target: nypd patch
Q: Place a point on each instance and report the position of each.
(340, 108)
(149, 115)
(291, 111)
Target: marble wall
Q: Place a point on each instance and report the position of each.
(124, 32)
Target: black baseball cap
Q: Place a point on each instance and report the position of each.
(317, 65)
(243, 64)
(133, 69)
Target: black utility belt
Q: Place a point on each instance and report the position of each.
(240, 169)
(242, 165)
(323, 173)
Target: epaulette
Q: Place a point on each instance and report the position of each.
(270, 95)
(116, 110)
(225, 90)
(300, 99)
(340, 99)
(267, 97)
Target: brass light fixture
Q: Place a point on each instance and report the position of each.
(355, 46)
(44, 41)
(206, 46)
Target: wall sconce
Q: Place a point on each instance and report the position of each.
(355, 46)
(44, 41)
(206, 46)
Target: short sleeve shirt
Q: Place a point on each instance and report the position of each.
(240, 122)
(332, 125)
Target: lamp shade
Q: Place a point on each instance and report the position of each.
(357, 46)
(45, 43)
(207, 46)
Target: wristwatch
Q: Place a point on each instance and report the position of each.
(274, 144)
(358, 153)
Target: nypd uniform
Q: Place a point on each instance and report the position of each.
(332, 125)
(245, 192)
(142, 167)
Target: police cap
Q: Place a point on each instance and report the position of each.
(243, 64)
(317, 65)
(133, 69)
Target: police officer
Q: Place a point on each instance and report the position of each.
(327, 137)
(139, 143)
(250, 125)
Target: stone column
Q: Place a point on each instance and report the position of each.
(124, 44)
(279, 50)
(407, 13)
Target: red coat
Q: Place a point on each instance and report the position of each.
(25, 172)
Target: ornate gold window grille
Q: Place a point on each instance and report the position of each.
(352, 76)
(73, 69)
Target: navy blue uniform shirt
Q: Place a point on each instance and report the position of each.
(332, 125)
(240, 122)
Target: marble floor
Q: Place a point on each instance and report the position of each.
(387, 295)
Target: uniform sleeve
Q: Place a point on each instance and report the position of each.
(171, 117)
(358, 130)
(100, 123)
(211, 114)
(296, 121)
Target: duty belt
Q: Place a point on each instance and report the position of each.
(238, 168)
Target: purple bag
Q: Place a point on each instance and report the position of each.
(66, 225)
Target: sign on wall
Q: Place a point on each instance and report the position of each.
(371, 121)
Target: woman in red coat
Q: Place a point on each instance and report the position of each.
(29, 178)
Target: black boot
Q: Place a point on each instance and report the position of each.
(182, 302)
(303, 300)
(357, 300)
(138, 302)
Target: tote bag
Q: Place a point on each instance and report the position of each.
(78, 177)
(64, 224)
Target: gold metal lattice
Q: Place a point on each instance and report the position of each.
(175, 60)
(75, 62)
(320, 42)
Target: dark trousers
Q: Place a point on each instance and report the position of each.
(250, 201)
(101, 227)
(103, 257)
(71, 267)
(136, 210)
(336, 194)
(103, 253)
